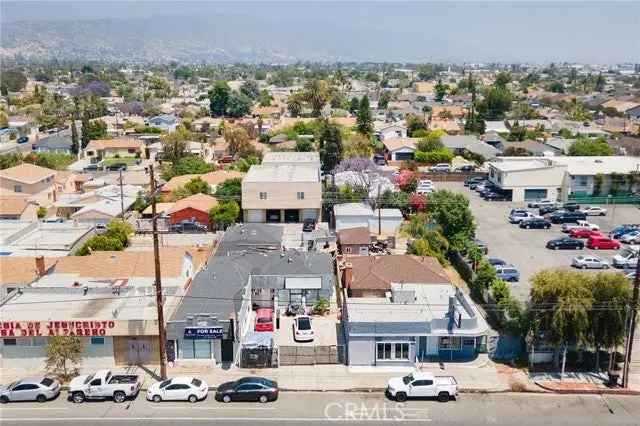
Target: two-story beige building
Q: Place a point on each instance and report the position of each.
(100, 149)
(35, 181)
(285, 188)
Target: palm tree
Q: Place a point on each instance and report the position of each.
(427, 110)
(317, 94)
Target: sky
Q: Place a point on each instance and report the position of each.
(505, 31)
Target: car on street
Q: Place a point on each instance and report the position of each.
(602, 243)
(581, 224)
(264, 320)
(541, 203)
(589, 262)
(103, 385)
(93, 168)
(494, 261)
(563, 216)
(23, 139)
(584, 233)
(183, 388)
(39, 389)
(466, 168)
(302, 330)
(308, 225)
(507, 273)
(632, 237)
(188, 227)
(595, 211)
(441, 168)
(248, 389)
(519, 216)
(421, 384)
(116, 167)
(565, 243)
(535, 223)
(627, 258)
(53, 219)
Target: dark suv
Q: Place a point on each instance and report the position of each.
(308, 225)
(567, 217)
(535, 224)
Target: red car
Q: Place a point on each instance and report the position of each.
(585, 233)
(264, 320)
(602, 243)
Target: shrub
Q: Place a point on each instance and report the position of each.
(100, 243)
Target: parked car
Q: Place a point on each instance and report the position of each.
(581, 224)
(474, 184)
(547, 209)
(565, 243)
(465, 168)
(102, 385)
(632, 237)
(440, 168)
(562, 216)
(379, 160)
(619, 231)
(116, 167)
(473, 179)
(302, 330)
(536, 223)
(595, 211)
(584, 233)
(519, 216)
(571, 207)
(93, 168)
(248, 389)
(589, 262)
(422, 384)
(184, 388)
(188, 227)
(497, 196)
(541, 203)
(602, 243)
(627, 258)
(53, 219)
(23, 139)
(507, 273)
(264, 320)
(494, 261)
(39, 389)
(308, 225)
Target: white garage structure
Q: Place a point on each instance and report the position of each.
(360, 215)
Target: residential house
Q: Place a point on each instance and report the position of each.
(20, 272)
(195, 207)
(69, 182)
(206, 124)
(214, 179)
(284, 188)
(354, 241)
(384, 130)
(60, 144)
(26, 178)
(71, 203)
(623, 107)
(461, 143)
(164, 122)
(100, 149)
(532, 147)
(400, 149)
(18, 207)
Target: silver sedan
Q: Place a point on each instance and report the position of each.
(39, 389)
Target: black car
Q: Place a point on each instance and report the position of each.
(379, 160)
(474, 184)
(116, 167)
(571, 207)
(472, 180)
(466, 168)
(497, 196)
(92, 168)
(546, 210)
(23, 139)
(188, 227)
(565, 243)
(567, 217)
(494, 261)
(535, 224)
(248, 389)
(308, 225)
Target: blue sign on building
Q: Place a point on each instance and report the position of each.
(196, 333)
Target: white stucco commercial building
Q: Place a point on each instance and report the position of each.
(530, 178)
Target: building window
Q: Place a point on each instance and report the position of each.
(97, 340)
(300, 195)
(196, 349)
(449, 343)
(263, 195)
(9, 342)
(390, 351)
(32, 341)
(347, 249)
(17, 188)
(131, 150)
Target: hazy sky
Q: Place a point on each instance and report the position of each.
(508, 31)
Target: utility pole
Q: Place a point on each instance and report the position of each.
(632, 326)
(379, 213)
(156, 257)
(122, 197)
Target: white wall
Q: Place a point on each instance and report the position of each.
(388, 225)
(347, 222)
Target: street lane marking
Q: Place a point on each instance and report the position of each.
(33, 408)
(201, 419)
(178, 407)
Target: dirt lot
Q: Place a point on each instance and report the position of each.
(526, 248)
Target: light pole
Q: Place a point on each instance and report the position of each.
(632, 325)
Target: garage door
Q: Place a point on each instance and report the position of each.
(254, 216)
(404, 156)
(309, 214)
(534, 194)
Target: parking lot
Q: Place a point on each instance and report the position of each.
(525, 248)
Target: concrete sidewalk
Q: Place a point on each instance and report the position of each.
(579, 382)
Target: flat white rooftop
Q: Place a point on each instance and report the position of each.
(283, 173)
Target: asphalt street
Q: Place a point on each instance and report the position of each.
(352, 408)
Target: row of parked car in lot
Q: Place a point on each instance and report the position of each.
(120, 387)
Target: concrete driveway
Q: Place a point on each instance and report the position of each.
(525, 248)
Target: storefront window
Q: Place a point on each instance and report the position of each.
(97, 340)
(196, 349)
(450, 343)
(392, 351)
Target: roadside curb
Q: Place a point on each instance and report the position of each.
(548, 388)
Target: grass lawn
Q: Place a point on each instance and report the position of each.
(126, 160)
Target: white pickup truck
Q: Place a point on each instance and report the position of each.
(421, 385)
(102, 385)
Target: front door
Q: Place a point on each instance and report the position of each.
(139, 351)
(422, 348)
(227, 350)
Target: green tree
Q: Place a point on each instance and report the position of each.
(431, 142)
(600, 83)
(590, 147)
(120, 231)
(250, 89)
(316, 93)
(354, 105)
(10, 160)
(174, 144)
(75, 145)
(385, 97)
(304, 145)
(229, 190)
(485, 276)
(197, 186)
(13, 80)
(85, 138)
(42, 212)
(502, 79)
(265, 98)
(224, 214)
(330, 144)
(394, 200)
(237, 140)
(295, 103)
(364, 121)
(100, 243)
(219, 98)
(188, 165)
(496, 103)
(358, 145)
(96, 129)
(238, 105)
(451, 211)
(63, 356)
(441, 90)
